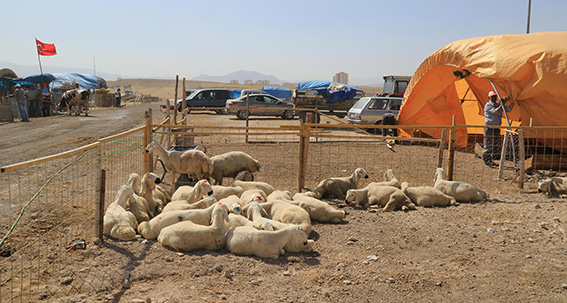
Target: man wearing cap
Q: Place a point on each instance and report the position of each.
(20, 96)
(493, 117)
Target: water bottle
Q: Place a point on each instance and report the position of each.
(81, 245)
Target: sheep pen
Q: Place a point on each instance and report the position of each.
(438, 254)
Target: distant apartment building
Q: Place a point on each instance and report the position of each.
(248, 82)
(289, 84)
(341, 77)
(234, 81)
(262, 82)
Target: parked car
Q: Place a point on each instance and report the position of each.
(203, 98)
(251, 91)
(371, 110)
(266, 104)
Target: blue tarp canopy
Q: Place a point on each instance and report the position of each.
(333, 92)
(278, 92)
(86, 81)
(235, 93)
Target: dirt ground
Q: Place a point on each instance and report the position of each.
(509, 249)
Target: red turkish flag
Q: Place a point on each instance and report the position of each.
(45, 49)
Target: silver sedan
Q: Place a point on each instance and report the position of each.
(260, 105)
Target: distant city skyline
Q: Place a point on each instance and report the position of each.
(292, 40)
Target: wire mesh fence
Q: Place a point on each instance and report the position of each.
(49, 205)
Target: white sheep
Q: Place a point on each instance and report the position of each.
(427, 196)
(460, 190)
(288, 213)
(182, 205)
(337, 186)
(249, 241)
(552, 186)
(318, 210)
(139, 207)
(253, 195)
(183, 162)
(151, 229)
(118, 222)
(388, 197)
(154, 197)
(389, 180)
(220, 192)
(254, 212)
(235, 220)
(282, 195)
(233, 204)
(231, 163)
(246, 185)
(186, 195)
(188, 236)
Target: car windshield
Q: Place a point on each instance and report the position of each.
(360, 103)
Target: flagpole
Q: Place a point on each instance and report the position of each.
(40, 68)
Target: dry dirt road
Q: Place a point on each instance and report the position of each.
(510, 249)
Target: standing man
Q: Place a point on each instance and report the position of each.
(117, 96)
(20, 96)
(493, 117)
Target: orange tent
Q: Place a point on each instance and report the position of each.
(455, 80)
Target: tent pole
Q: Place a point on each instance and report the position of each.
(509, 124)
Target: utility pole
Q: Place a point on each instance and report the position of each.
(529, 11)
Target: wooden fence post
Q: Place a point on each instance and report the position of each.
(175, 108)
(100, 207)
(184, 117)
(522, 155)
(146, 142)
(451, 159)
(247, 113)
(150, 137)
(303, 154)
(442, 147)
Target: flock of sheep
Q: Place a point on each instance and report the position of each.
(251, 217)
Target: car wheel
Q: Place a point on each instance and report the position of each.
(242, 114)
(288, 114)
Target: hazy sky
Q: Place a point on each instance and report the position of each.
(292, 40)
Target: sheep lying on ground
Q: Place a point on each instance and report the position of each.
(182, 205)
(246, 185)
(317, 209)
(253, 195)
(193, 193)
(231, 163)
(553, 186)
(338, 186)
(220, 192)
(139, 207)
(151, 229)
(249, 241)
(254, 212)
(235, 220)
(427, 196)
(187, 162)
(288, 213)
(389, 180)
(154, 197)
(119, 223)
(461, 191)
(388, 197)
(189, 195)
(233, 204)
(188, 236)
(282, 195)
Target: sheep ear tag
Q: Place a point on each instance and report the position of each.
(540, 181)
(205, 181)
(259, 198)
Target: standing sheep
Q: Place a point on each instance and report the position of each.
(388, 197)
(461, 191)
(119, 223)
(246, 240)
(187, 162)
(231, 163)
(427, 196)
(337, 186)
(188, 236)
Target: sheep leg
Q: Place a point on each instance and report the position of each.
(391, 205)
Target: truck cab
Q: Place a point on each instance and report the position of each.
(395, 86)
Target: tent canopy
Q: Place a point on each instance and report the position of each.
(333, 92)
(278, 92)
(531, 69)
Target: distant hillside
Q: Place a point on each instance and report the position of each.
(241, 76)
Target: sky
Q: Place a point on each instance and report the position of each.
(292, 40)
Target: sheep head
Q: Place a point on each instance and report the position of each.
(439, 175)
(220, 210)
(350, 196)
(299, 241)
(389, 175)
(150, 148)
(547, 186)
(204, 188)
(244, 176)
(405, 185)
(149, 181)
(360, 173)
